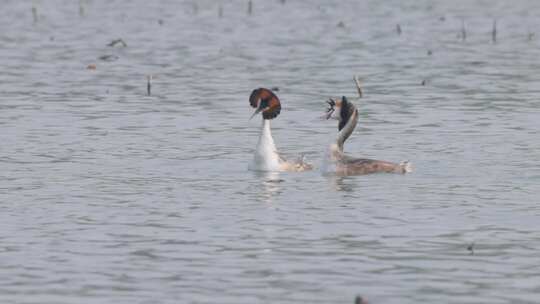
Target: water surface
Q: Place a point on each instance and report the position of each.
(111, 196)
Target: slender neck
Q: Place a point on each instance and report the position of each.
(347, 130)
(266, 135)
(266, 157)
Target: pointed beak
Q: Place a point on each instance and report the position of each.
(255, 113)
(329, 114)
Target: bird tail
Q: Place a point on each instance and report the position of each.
(406, 166)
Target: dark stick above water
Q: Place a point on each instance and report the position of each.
(494, 32)
(81, 8)
(149, 85)
(463, 30)
(358, 86)
(34, 14)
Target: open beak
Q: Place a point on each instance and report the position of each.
(328, 114)
(331, 103)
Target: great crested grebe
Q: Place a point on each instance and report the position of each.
(266, 157)
(336, 161)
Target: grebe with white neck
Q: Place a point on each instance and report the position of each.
(266, 156)
(335, 159)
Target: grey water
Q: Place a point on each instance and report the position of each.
(108, 195)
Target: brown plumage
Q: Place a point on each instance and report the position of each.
(347, 114)
(360, 166)
(265, 101)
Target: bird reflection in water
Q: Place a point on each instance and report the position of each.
(341, 183)
(270, 185)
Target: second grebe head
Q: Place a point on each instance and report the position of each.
(265, 102)
(341, 109)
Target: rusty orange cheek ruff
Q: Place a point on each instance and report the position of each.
(266, 102)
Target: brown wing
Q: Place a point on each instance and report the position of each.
(358, 166)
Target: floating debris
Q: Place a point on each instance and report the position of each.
(424, 82)
(149, 84)
(341, 24)
(470, 248)
(108, 58)
(494, 31)
(160, 21)
(91, 67)
(398, 29)
(275, 89)
(442, 18)
(220, 11)
(250, 7)
(117, 42)
(429, 52)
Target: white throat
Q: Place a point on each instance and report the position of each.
(334, 154)
(265, 157)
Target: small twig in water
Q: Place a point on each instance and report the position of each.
(250, 7)
(34, 14)
(149, 84)
(463, 30)
(81, 8)
(398, 29)
(109, 58)
(494, 31)
(220, 11)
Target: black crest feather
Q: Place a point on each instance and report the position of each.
(346, 112)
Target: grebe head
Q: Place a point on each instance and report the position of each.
(341, 109)
(265, 102)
